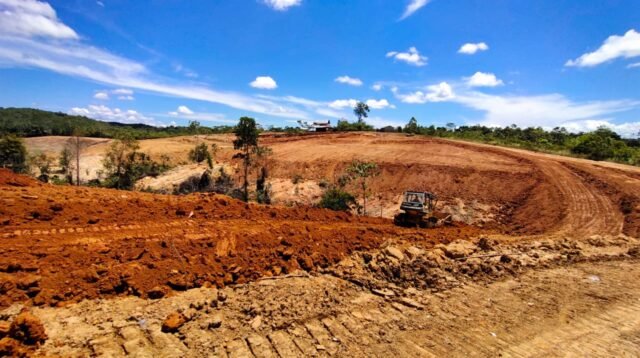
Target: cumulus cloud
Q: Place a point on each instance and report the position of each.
(101, 95)
(31, 18)
(626, 46)
(350, 103)
(472, 48)
(412, 57)
(104, 113)
(282, 5)
(264, 82)
(184, 110)
(435, 93)
(343, 103)
(547, 111)
(482, 79)
(379, 104)
(122, 91)
(412, 7)
(376, 87)
(349, 81)
(628, 129)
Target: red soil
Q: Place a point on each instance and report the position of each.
(62, 244)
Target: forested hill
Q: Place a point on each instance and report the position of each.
(29, 122)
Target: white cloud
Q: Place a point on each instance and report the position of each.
(472, 48)
(634, 65)
(343, 103)
(77, 59)
(264, 82)
(123, 94)
(412, 57)
(31, 18)
(104, 96)
(349, 81)
(282, 5)
(122, 91)
(379, 104)
(434, 93)
(543, 110)
(412, 7)
(482, 79)
(184, 110)
(376, 87)
(628, 129)
(627, 46)
(104, 113)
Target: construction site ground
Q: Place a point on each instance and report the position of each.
(543, 261)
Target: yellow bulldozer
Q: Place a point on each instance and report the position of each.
(418, 210)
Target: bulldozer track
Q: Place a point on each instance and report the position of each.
(507, 321)
(588, 210)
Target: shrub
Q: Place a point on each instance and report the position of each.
(13, 154)
(201, 153)
(337, 199)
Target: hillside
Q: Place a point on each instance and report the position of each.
(29, 122)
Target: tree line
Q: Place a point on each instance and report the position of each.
(601, 144)
(28, 122)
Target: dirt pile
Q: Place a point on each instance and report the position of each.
(65, 244)
(390, 271)
(21, 336)
(308, 314)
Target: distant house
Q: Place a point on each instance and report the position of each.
(316, 126)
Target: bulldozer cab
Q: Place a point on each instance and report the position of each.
(418, 201)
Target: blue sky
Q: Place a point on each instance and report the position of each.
(495, 62)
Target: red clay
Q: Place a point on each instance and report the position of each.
(62, 244)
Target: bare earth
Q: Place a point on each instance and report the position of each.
(548, 268)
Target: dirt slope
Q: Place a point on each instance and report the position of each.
(517, 191)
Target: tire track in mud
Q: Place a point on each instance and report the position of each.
(585, 209)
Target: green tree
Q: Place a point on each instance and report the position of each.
(263, 188)
(13, 154)
(194, 127)
(246, 141)
(201, 153)
(337, 199)
(361, 110)
(64, 161)
(42, 162)
(361, 171)
(117, 162)
(412, 126)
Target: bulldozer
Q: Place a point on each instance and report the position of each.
(418, 210)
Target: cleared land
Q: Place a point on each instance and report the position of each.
(556, 257)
